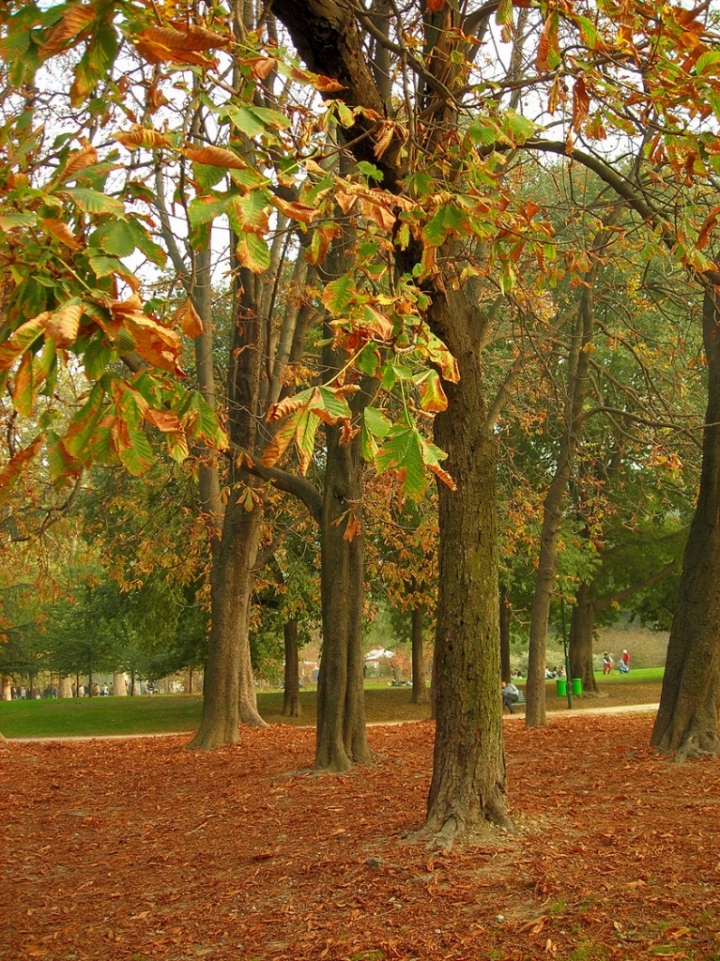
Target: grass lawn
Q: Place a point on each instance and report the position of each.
(158, 714)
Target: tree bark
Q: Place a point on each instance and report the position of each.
(419, 684)
(505, 612)
(468, 784)
(582, 629)
(119, 684)
(687, 720)
(341, 734)
(291, 687)
(231, 591)
(65, 687)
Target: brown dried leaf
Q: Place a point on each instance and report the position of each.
(215, 157)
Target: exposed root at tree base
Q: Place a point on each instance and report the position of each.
(453, 832)
(698, 746)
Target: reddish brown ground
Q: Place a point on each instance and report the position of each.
(137, 850)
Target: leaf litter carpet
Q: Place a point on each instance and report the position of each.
(136, 849)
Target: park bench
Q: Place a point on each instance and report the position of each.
(521, 699)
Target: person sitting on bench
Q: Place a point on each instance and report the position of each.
(509, 695)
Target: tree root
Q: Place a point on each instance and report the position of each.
(697, 746)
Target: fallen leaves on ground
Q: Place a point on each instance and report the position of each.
(138, 850)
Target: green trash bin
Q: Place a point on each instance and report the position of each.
(561, 686)
(577, 686)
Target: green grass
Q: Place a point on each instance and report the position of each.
(641, 675)
(158, 714)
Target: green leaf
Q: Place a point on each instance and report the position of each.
(376, 422)
(12, 220)
(370, 170)
(256, 121)
(106, 266)
(403, 453)
(253, 253)
(339, 294)
(138, 458)
(484, 132)
(332, 403)
(94, 202)
(518, 127)
(448, 219)
(305, 431)
(203, 210)
(116, 238)
(206, 176)
(96, 358)
(250, 212)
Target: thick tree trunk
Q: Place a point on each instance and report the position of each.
(291, 686)
(582, 629)
(687, 720)
(505, 611)
(419, 684)
(119, 684)
(231, 589)
(65, 687)
(6, 689)
(341, 734)
(468, 784)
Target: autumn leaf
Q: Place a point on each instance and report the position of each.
(435, 5)
(252, 252)
(138, 136)
(63, 325)
(60, 230)
(189, 320)
(12, 470)
(215, 157)
(77, 17)
(580, 104)
(296, 211)
(87, 156)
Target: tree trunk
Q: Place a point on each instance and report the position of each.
(231, 589)
(6, 689)
(419, 684)
(341, 735)
(687, 720)
(468, 784)
(65, 687)
(578, 366)
(119, 684)
(291, 686)
(582, 629)
(505, 611)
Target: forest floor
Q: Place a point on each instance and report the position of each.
(135, 850)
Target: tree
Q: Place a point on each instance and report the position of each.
(687, 720)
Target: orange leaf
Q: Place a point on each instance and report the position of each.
(435, 5)
(75, 19)
(60, 230)
(64, 324)
(10, 473)
(87, 156)
(215, 157)
(581, 104)
(164, 420)
(138, 136)
(300, 212)
(190, 38)
(189, 320)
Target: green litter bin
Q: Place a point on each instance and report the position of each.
(577, 686)
(561, 686)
